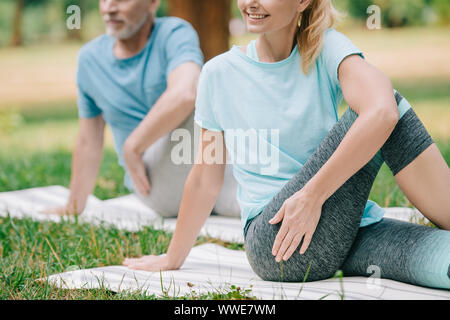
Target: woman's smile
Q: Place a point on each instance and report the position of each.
(256, 17)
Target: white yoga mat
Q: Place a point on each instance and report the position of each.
(209, 267)
(125, 213)
(129, 213)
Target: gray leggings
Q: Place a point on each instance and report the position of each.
(401, 251)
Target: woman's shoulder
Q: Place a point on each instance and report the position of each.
(336, 44)
(332, 38)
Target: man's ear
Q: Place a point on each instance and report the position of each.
(303, 4)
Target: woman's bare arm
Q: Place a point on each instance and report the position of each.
(200, 193)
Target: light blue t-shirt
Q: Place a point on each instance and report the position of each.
(124, 90)
(273, 116)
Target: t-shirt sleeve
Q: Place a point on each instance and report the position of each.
(86, 105)
(182, 46)
(204, 114)
(336, 48)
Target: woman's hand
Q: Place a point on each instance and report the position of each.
(300, 215)
(61, 211)
(72, 208)
(149, 263)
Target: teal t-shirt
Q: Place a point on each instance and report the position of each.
(273, 116)
(124, 90)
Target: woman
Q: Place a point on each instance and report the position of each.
(312, 210)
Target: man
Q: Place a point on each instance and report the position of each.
(140, 78)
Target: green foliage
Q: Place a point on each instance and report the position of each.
(442, 8)
(358, 9)
(399, 13)
(30, 3)
(163, 9)
(6, 15)
(235, 12)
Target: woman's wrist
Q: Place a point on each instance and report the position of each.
(76, 205)
(173, 262)
(314, 192)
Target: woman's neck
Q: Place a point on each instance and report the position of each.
(276, 45)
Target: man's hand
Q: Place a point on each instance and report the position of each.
(300, 215)
(136, 168)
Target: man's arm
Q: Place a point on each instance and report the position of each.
(86, 161)
(171, 109)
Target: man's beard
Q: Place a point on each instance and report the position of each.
(128, 30)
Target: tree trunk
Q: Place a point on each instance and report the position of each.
(74, 35)
(17, 38)
(210, 18)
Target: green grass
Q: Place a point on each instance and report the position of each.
(31, 250)
(36, 169)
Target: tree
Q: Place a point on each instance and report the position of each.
(210, 18)
(16, 37)
(20, 5)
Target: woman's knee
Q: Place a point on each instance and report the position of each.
(292, 270)
(317, 263)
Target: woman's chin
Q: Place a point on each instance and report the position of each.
(255, 29)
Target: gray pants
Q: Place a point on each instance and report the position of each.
(402, 251)
(167, 178)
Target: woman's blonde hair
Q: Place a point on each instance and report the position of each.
(318, 17)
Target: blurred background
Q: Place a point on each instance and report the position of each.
(38, 56)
